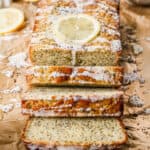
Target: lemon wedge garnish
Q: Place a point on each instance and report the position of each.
(11, 19)
(79, 29)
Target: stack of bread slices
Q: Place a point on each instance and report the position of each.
(73, 99)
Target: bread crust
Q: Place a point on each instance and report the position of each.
(55, 145)
(74, 76)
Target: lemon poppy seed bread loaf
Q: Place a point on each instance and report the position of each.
(76, 34)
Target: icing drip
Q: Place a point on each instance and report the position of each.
(98, 77)
(68, 10)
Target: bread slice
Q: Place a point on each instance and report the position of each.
(74, 133)
(74, 76)
(77, 102)
(103, 50)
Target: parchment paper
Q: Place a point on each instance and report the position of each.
(136, 119)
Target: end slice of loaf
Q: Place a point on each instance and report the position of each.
(77, 102)
(74, 133)
(74, 76)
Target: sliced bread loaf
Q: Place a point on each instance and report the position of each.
(74, 133)
(74, 76)
(72, 102)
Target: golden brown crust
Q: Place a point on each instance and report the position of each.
(52, 145)
(74, 76)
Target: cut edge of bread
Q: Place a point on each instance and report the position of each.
(52, 145)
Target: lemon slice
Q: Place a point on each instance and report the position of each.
(77, 29)
(11, 19)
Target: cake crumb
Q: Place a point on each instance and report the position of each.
(147, 111)
(129, 78)
(8, 73)
(6, 108)
(18, 60)
(135, 101)
(141, 80)
(137, 49)
(16, 89)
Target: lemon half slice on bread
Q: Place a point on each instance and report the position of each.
(11, 19)
(79, 29)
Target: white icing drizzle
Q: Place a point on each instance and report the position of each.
(92, 98)
(75, 47)
(96, 47)
(99, 77)
(99, 74)
(69, 10)
(82, 3)
(37, 37)
(67, 46)
(106, 7)
(62, 106)
(45, 9)
(8, 73)
(6, 108)
(111, 31)
(57, 74)
(101, 40)
(18, 60)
